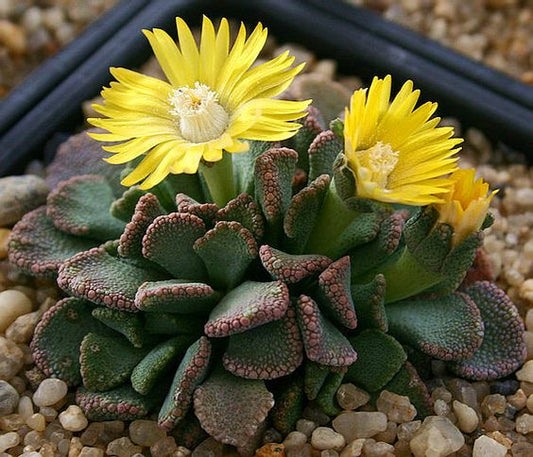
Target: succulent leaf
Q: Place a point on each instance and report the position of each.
(36, 247)
(433, 249)
(418, 227)
(249, 305)
(107, 361)
(128, 324)
(191, 372)
(173, 324)
(302, 213)
(323, 343)
(227, 251)
(244, 210)
(58, 335)
(335, 294)
(362, 230)
(447, 328)
(380, 357)
(322, 154)
(280, 357)
(456, 264)
(158, 362)
(205, 211)
(244, 165)
(314, 377)
(104, 279)
(123, 403)
(369, 303)
(312, 125)
(160, 244)
(247, 401)
(289, 404)
(273, 182)
(326, 398)
(370, 255)
(503, 349)
(291, 268)
(146, 210)
(81, 155)
(73, 212)
(176, 296)
(124, 207)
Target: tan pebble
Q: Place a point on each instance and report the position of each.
(326, 438)
(485, 446)
(21, 329)
(466, 416)
(13, 304)
(36, 422)
(25, 407)
(9, 440)
(4, 235)
(49, 392)
(437, 436)
(517, 400)
(12, 37)
(91, 452)
(295, 440)
(271, 450)
(526, 290)
(524, 424)
(501, 438)
(75, 447)
(529, 403)
(353, 449)
(73, 419)
(526, 372)
(11, 359)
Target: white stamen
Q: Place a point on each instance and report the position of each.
(199, 116)
(380, 160)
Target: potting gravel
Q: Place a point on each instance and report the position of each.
(497, 32)
(479, 419)
(32, 30)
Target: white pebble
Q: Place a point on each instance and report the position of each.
(73, 419)
(327, 438)
(526, 372)
(467, 417)
(485, 446)
(13, 304)
(9, 440)
(49, 392)
(437, 437)
(524, 424)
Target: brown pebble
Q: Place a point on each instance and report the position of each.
(271, 450)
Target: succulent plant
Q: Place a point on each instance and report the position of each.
(223, 319)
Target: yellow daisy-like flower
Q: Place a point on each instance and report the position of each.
(212, 101)
(466, 205)
(396, 152)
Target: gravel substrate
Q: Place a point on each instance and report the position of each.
(32, 30)
(480, 419)
(497, 32)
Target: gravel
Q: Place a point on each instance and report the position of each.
(496, 32)
(469, 418)
(33, 30)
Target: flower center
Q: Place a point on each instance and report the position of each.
(379, 161)
(199, 116)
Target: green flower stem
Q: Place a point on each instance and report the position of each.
(333, 218)
(220, 181)
(407, 277)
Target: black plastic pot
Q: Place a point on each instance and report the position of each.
(362, 42)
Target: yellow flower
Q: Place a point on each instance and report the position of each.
(466, 205)
(396, 152)
(213, 99)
